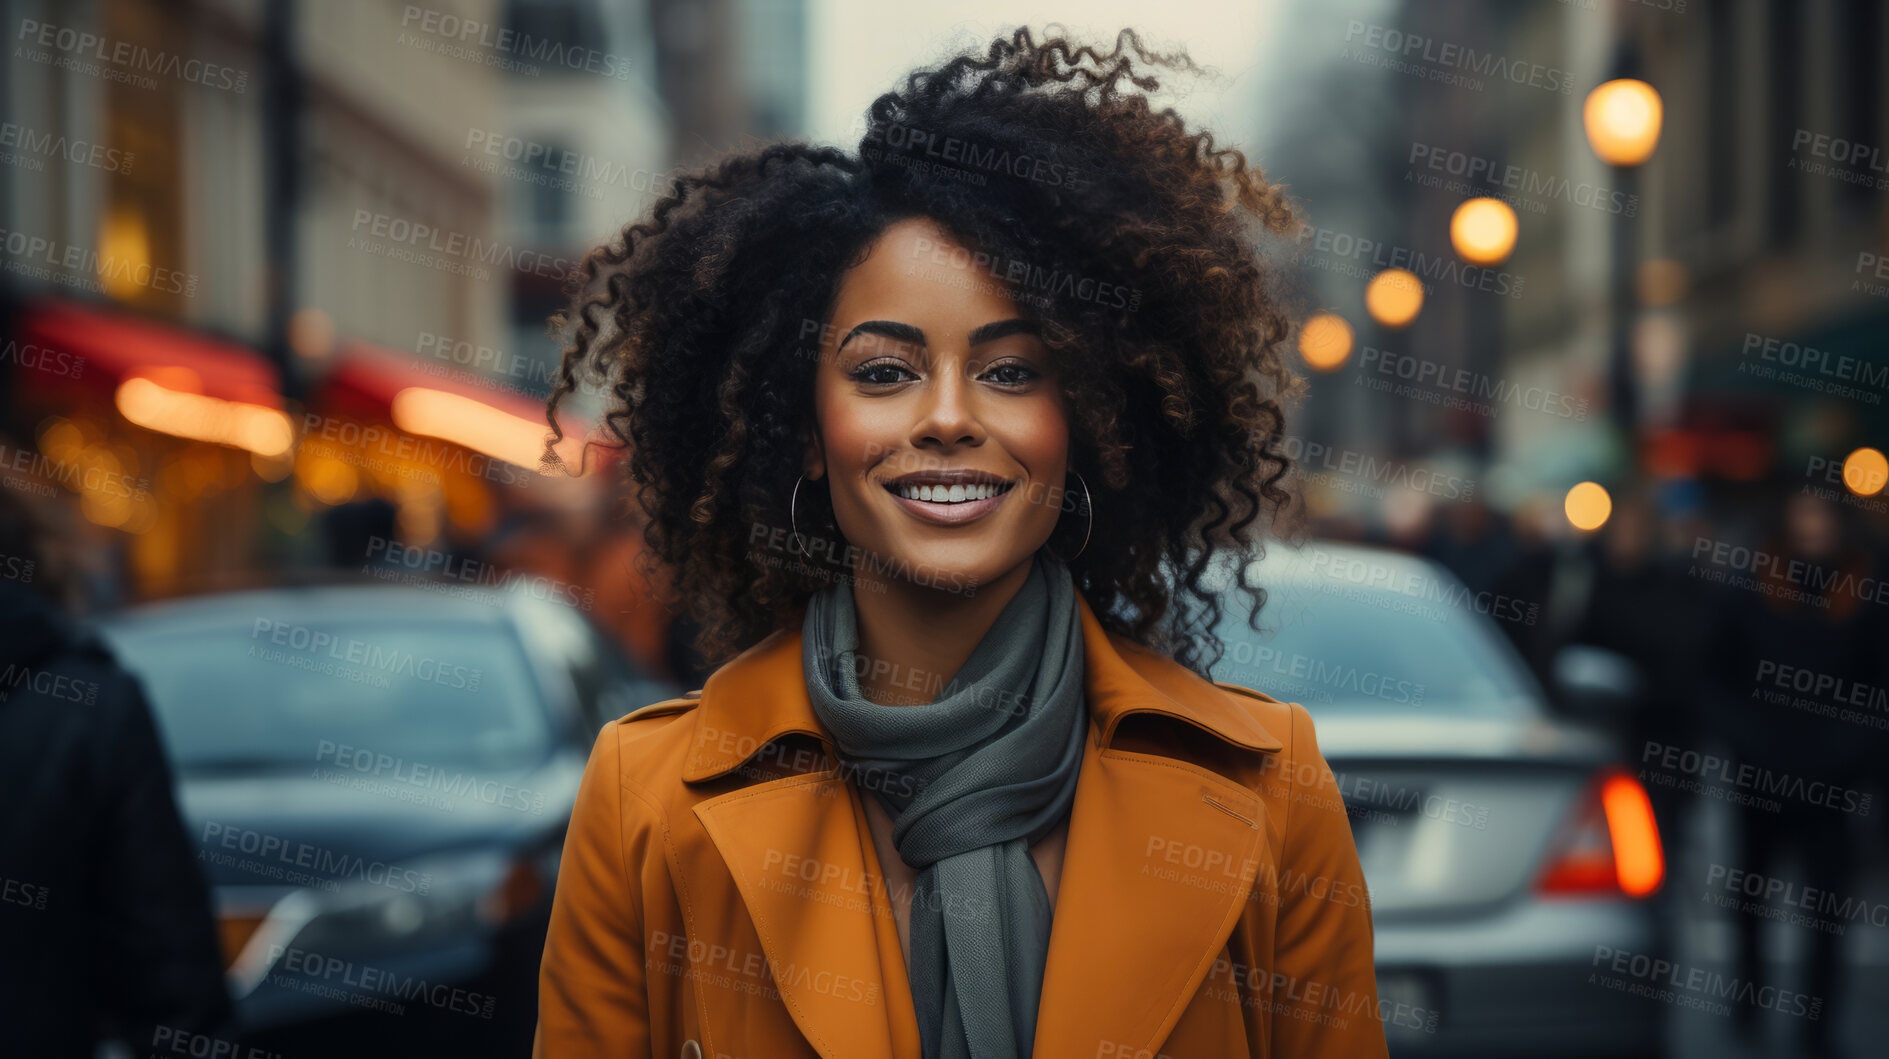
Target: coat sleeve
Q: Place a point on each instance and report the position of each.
(1324, 986)
(592, 988)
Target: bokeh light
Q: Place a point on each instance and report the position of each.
(1325, 342)
(1394, 297)
(1588, 506)
(311, 333)
(124, 249)
(1623, 121)
(154, 406)
(1483, 231)
(1865, 471)
(1639, 860)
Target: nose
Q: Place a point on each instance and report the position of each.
(949, 417)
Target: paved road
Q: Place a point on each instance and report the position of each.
(1708, 939)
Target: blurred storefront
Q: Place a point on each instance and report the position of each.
(219, 374)
(162, 437)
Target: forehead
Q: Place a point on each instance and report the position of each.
(918, 273)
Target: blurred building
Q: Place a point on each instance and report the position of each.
(731, 71)
(1706, 323)
(579, 153)
(398, 233)
(1685, 291)
(275, 217)
(131, 262)
(1760, 279)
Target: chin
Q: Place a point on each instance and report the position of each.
(949, 569)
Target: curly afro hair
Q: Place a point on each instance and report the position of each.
(1138, 243)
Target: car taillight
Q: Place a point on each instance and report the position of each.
(517, 894)
(234, 932)
(1610, 844)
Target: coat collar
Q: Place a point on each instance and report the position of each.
(1157, 867)
(760, 696)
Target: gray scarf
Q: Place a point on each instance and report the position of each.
(970, 781)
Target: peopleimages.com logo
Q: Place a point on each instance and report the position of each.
(122, 60)
(508, 48)
(1451, 62)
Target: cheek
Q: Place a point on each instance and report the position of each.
(1039, 439)
(858, 434)
(1048, 436)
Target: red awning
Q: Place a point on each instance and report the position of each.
(366, 378)
(118, 346)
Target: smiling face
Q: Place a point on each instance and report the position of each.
(941, 424)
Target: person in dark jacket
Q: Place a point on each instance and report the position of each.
(1764, 641)
(105, 922)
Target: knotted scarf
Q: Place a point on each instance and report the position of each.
(970, 780)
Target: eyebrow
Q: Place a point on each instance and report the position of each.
(892, 329)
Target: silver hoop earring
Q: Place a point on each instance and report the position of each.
(793, 520)
(1089, 503)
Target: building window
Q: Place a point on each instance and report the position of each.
(566, 23)
(549, 206)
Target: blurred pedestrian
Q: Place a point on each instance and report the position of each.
(1641, 609)
(105, 921)
(355, 534)
(1472, 543)
(1548, 579)
(1787, 625)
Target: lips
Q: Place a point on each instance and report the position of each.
(949, 498)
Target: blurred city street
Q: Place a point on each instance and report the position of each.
(1591, 303)
(1708, 938)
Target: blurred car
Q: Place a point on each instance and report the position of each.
(379, 780)
(1506, 850)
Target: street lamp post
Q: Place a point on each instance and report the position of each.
(1623, 118)
(282, 100)
(1483, 232)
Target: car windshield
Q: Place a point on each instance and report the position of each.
(1328, 643)
(279, 695)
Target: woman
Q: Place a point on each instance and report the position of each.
(938, 438)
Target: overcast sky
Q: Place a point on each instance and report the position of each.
(861, 48)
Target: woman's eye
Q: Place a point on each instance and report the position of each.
(1011, 374)
(883, 373)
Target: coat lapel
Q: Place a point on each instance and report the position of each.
(794, 847)
(1160, 861)
(1160, 858)
(798, 849)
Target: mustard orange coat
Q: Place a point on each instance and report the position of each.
(719, 894)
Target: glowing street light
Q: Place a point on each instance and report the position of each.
(1865, 471)
(1483, 231)
(1325, 341)
(1623, 119)
(1394, 297)
(470, 422)
(1588, 506)
(154, 406)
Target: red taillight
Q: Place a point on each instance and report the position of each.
(234, 932)
(521, 889)
(1610, 846)
(1638, 858)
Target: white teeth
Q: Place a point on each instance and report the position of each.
(956, 494)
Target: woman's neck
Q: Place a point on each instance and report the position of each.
(913, 639)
